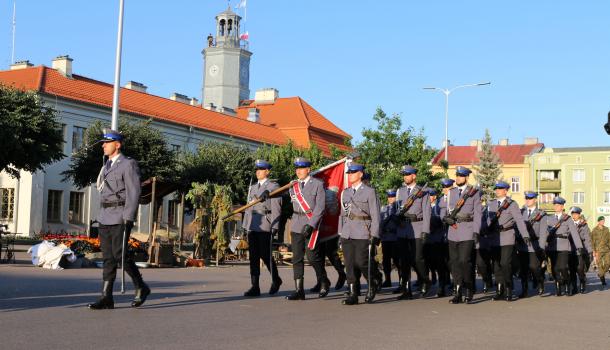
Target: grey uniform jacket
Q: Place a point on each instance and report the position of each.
(121, 183)
(585, 237)
(511, 218)
(263, 216)
(388, 223)
(356, 207)
(567, 229)
(420, 209)
(314, 195)
(438, 233)
(472, 208)
(537, 231)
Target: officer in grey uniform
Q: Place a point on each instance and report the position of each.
(261, 221)
(503, 220)
(483, 260)
(435, 253)
(531, 255)
(415, 228)
(462, 232)
(389, 245)
(560, 229)
(119, 186)
(359, 229)
(579, 264)
(302, 227)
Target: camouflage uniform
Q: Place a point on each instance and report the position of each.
(600, 239)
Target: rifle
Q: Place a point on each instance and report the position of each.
(409, 202)
(494, 225)
(451, 219)
(552, 230)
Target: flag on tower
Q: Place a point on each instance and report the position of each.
(245, 36)
(241, 5)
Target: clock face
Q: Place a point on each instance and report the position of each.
(214, 70)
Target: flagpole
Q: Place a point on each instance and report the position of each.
(14, 28)
(117, 70)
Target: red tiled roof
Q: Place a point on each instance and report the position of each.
(511, 154)
(290, 118)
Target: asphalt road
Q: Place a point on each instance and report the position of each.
(204, 309)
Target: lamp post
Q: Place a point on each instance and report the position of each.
(447, 92)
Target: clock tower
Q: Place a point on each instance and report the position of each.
(226, 68)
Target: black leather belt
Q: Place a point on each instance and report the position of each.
(113, 204)
(504, 229)
(414, 220)
(359, 217)
(459, 220)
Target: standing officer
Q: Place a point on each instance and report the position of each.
(308, 204)
(119, 186)
(482, 258)
(600, 242)
(446, 184)
(389, 245)
(560, 228)
(532, 255)
(262, 222)
(464, 213)
(579, 264)
(414, 210)
(435, 254)
(504, 217)
(359, 229)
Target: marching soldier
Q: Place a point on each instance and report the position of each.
(119, 186)
(389, 245)
(579, 264)
(504, 218)
(532, 255)
(560, 228)
(261, 222)
(600, 242)
(435, 245)
(414, 213)
(464, 213)
(308, 203)
(359, 229)
(483, 254)
(446, 184)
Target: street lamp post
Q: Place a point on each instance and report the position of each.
(447, 92)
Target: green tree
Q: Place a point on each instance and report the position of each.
(31, 136)
(142, 142)
(488, 169)
(385, 149)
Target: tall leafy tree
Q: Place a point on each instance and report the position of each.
(142, 142)
(31, 136)
(488, 169)
(389, 146)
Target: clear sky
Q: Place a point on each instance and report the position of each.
(548, 60)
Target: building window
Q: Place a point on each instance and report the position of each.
(54, 206)
(78, 138)
(515, 184)
(173, 213)
(548, 175)
(579, 197)
(7, 203)
(175, 148)
(75, 208)
(546, 198)
(606, 197)
(578, 175)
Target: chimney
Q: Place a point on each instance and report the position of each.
(227, 111)
(254, 115)
(210, 107)
(63, 64)
(135, 86)
(474, 143)
(503, 142)
(530, 140)
(21, 65)
(180, 98)
(194, 102)
(266, 96)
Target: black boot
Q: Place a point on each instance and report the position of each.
(316, 288)
(142, 292)
(340, 281)
(509, 293)
(441, 292)
(468, 294)
(583, 286)
(425, 289)
(275, 285)
(324, 287)
(372, 291)
(486, 287)
(299, 292)
(457, 297)
(254, 290)
(407, 294)
(387, 282)
(106, 301)
(352, 296)
(499, 292)
(567, 290)
(558, 289)
(400, 289)
(541, 287)
(524, 288)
